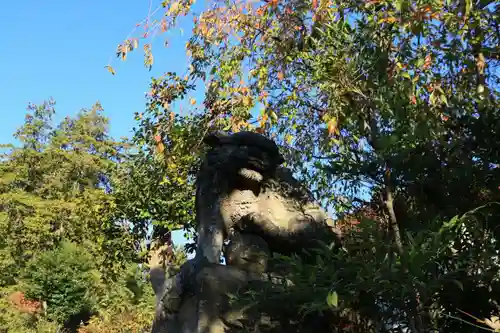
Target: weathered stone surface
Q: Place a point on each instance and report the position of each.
(242, 188)
(243, 196)
(207, 308)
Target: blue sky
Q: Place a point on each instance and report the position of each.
(59, 49)
(54, 48)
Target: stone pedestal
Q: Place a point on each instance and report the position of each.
(207, 309)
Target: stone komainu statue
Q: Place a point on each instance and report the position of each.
(242, 188)
(243, 196)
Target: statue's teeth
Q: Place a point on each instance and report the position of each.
(250, 174)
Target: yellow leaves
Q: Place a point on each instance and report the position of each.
(263, 120)
(494, 323)
(110, 69)
(159, 143)
(148, 56)
(288, 138)
(266, 115)
(247, 100)
(332, 126)
(388, 19)
(160, 147)
(237, 124)
(480, 63)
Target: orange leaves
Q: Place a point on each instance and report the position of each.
(192, 101)
(273, 3)
(159, 143)
(260, 130)
(427, 62)
(332, 126)
(263, 120)
(261, 10)
(426, 12)
(263, 95)
(388, 19)
(281, 75)
(413, 99)
(314, 4)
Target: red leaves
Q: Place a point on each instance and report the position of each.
(24, 305)
(274, 3)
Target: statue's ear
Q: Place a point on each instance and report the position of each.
(215, 138)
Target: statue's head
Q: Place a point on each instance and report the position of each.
(247, 155)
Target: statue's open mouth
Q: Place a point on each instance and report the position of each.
(250, 174)
(253, 170)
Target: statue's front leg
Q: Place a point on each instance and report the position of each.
(210, 243)
(210, 239)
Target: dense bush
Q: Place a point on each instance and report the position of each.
(66, 279)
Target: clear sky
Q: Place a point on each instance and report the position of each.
(59, 49)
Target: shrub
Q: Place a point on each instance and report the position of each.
(65, 278)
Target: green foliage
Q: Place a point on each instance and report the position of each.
(13, 321)
(125, 305)
(63, 240)
(65, 278)
(156, 185)
(388, 110)
(53, 187)
(367, 291)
